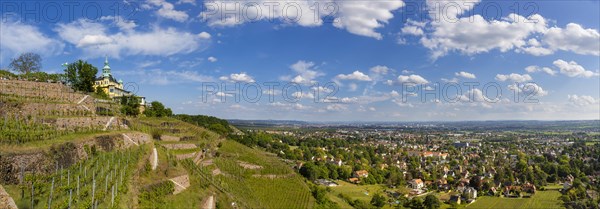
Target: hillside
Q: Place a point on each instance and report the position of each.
(61, 149)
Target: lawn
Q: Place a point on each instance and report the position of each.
(542, 199)
(360, 192)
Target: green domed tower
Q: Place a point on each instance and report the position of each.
(106, 68)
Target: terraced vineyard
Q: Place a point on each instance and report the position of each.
(101, 181)
(237, 175)
(36, 111)
(256, 179)
(64, 149)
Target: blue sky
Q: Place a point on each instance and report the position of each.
(368, 60)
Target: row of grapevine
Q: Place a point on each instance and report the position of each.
(19, 130)
(97, 182)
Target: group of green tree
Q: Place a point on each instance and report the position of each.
(157, 109)
(79, 74)
(27, 66)
(215, 124)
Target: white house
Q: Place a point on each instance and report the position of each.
(470, 193)
(416, 184)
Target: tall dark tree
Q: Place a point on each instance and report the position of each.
(81, 75)
(310, 171)
(378, 200)
(130, 105)
(431, 202)
(26, 63)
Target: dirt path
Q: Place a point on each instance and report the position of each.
(209, 203)
(85, 97)
(181, 183)
(108, 123)
(5, 200)
(154, 159)
(129, 139)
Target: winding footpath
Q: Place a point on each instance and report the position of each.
(108, 123)
(154, 160)
(5, 200)
(210, 203)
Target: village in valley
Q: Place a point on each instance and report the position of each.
(461, 166)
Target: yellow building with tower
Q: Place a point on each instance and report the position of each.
(113, 87)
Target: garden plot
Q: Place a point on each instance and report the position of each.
(179, 146)
(249, 165)
(96, 123)
(186, 156)
(169, 138)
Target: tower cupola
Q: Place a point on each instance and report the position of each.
(106, 68)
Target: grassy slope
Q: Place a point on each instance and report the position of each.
(253, 186)
(236, 184)
(358, 192)
(542, 199)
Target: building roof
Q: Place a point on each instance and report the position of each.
(418, 181)
(362, 172)
(110, 78)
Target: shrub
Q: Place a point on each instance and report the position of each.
(156, 133)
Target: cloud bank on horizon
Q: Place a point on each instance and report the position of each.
(330, 60)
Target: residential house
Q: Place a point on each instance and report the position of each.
(529, 188)
(360, 174)
(416, 184)
(470, 193)
(455, 199)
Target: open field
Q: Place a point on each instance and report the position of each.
(542, 199)
(357, 192)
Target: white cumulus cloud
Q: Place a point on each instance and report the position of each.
(17, 37)
(356, 75)
(572, 69)
(535, 68)
(514, 77)
(167, 10)
(238, 77)
(412, 79)
(465, 75)
(357, 17)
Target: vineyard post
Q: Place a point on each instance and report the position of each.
(93, 191)
(77, 185)
(50, 197)
(106, 184)
(32, 189)
(70, 196)
(112, 199)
